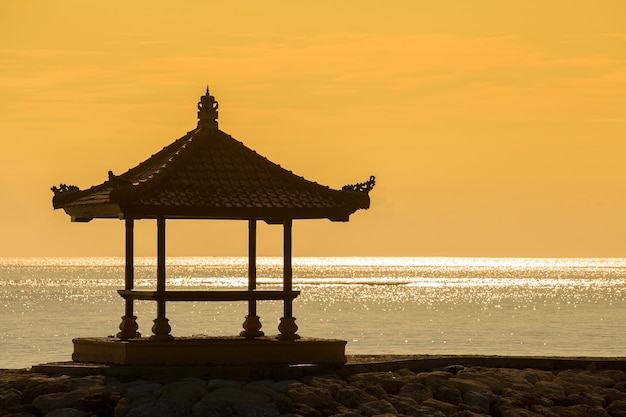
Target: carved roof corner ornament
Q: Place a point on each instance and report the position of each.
(64, 188)
(207, 110)
(361, 187)
(116, 181)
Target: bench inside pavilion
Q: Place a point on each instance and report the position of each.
(207, 174)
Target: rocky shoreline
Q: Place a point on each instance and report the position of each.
(403, 390)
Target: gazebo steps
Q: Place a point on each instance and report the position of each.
(225, 350)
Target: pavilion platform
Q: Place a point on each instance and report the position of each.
(209, 350)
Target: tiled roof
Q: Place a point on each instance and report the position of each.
(209, 174)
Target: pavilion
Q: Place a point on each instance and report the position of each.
(207, 174)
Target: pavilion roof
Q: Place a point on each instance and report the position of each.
(209, 174)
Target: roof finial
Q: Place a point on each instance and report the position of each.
(207, 110)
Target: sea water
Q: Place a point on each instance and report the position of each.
(491, 306)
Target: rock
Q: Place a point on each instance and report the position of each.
(43, 384)
(572, 387)
(528, 399)
(521, 412)
(138, 387)
(585, 398)
(210, 408)
(580, 411)
(615, 375)
(377, 407)
(305, 410)
(66, 412)
(617, 408)
(468, 410)
(20, 410)
(88, 381)
(504, 405)
(609, 394)
(390, 382)
(483, 400)
(446, 393)
(330, 383)
(552, 391)
(131, 401)
(586, 378)
(445, 408)
(314, 396)
(10, 397)
(48, 402)
(233, 396)
(544, 411)
(95, 398)
(404, 405)
(249, 410)
(261, 387)
(410, 407)
(162, 407)
(187, 391)
(351, 396)
(468, 385)
(417, 391)
(453, 369)
(222, 383)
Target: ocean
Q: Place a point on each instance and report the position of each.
(489, 306)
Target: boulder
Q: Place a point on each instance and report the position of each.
(162, 407)
(390, 382)
(222, 383)
(314, 396)
(330, 383)
(580, 377)
(139, 387)
(377, 407)
(494, 385)
(552, 391)
(528, 399)
(186, 391)
(251, 410)
(404, 405)
(417, 391)
(447, 393)
(586, 398)
(351, 396)
(468, 385)
(66, 412)
(580, 411)
(233, 396)
(617, 408)
(483, 400)
(43, 384)
(11, 396)
(445, 408)
(48, 402)
(131, 401)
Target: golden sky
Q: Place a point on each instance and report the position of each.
(493, 128)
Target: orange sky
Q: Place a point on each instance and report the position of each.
(493, 128)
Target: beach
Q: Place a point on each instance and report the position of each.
(368, 385)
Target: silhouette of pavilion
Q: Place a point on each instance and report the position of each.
(207, 174)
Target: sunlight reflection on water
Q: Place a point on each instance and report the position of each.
(380, 305)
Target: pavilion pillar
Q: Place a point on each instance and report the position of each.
(252, 324)
(161, 327)
(287, 326)
(128, 326)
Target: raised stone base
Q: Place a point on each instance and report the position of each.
(209, 350)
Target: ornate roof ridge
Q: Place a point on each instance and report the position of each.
(207, 173)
